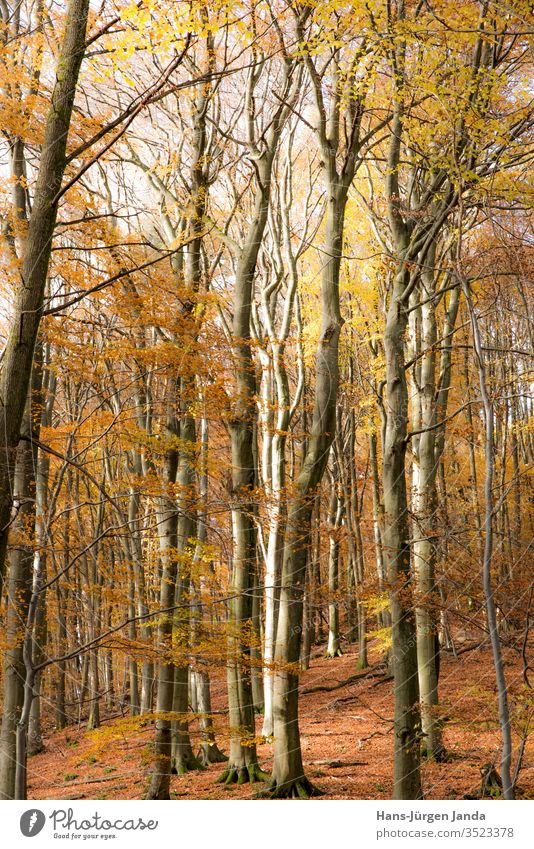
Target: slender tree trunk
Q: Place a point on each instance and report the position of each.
(168, 535)
(182, 758)
(378, 527)
(47, 381)
(424, 506)
(243, 765)
(308, 620)
(272, 575)
(407, 784)
(133, 667)
(93, 720)
(19, 592)
(489, 414)
(256, 646)
(406, 748)
(288, 777)
(363, 662)
(109, 676)
(334, 519)
(18, 355)
(442, 396)
(62, 719)
(147, 667)
(209, 751)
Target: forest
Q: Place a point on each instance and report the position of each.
(266, 399)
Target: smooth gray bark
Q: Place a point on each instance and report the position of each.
(18, 356)
(335, 516)
(340, 161)
(424, 519)
(489, 450)
(18, 599)
(242, 764)
(168, 536)
(397, 554)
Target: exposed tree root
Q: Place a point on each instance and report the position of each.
(186, 763)
(464, 649)
(159, 789)
(301, 788)
(383, 680)
(211, 754)
(439, 756)
(242, 775)
(337, 764)
(491, 782)
(371, 672)
(35, 749)
(335, 653)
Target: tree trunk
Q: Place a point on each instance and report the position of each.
(182, 758)
(334, 520)
(168, 533)
(243, 765)
(407, 783)
(62, 719)
(18, 355)
(209, 751)
(502, 693)
(19, 592)
(424, 504)
(288, 777)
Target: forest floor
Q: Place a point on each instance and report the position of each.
(346, 734)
